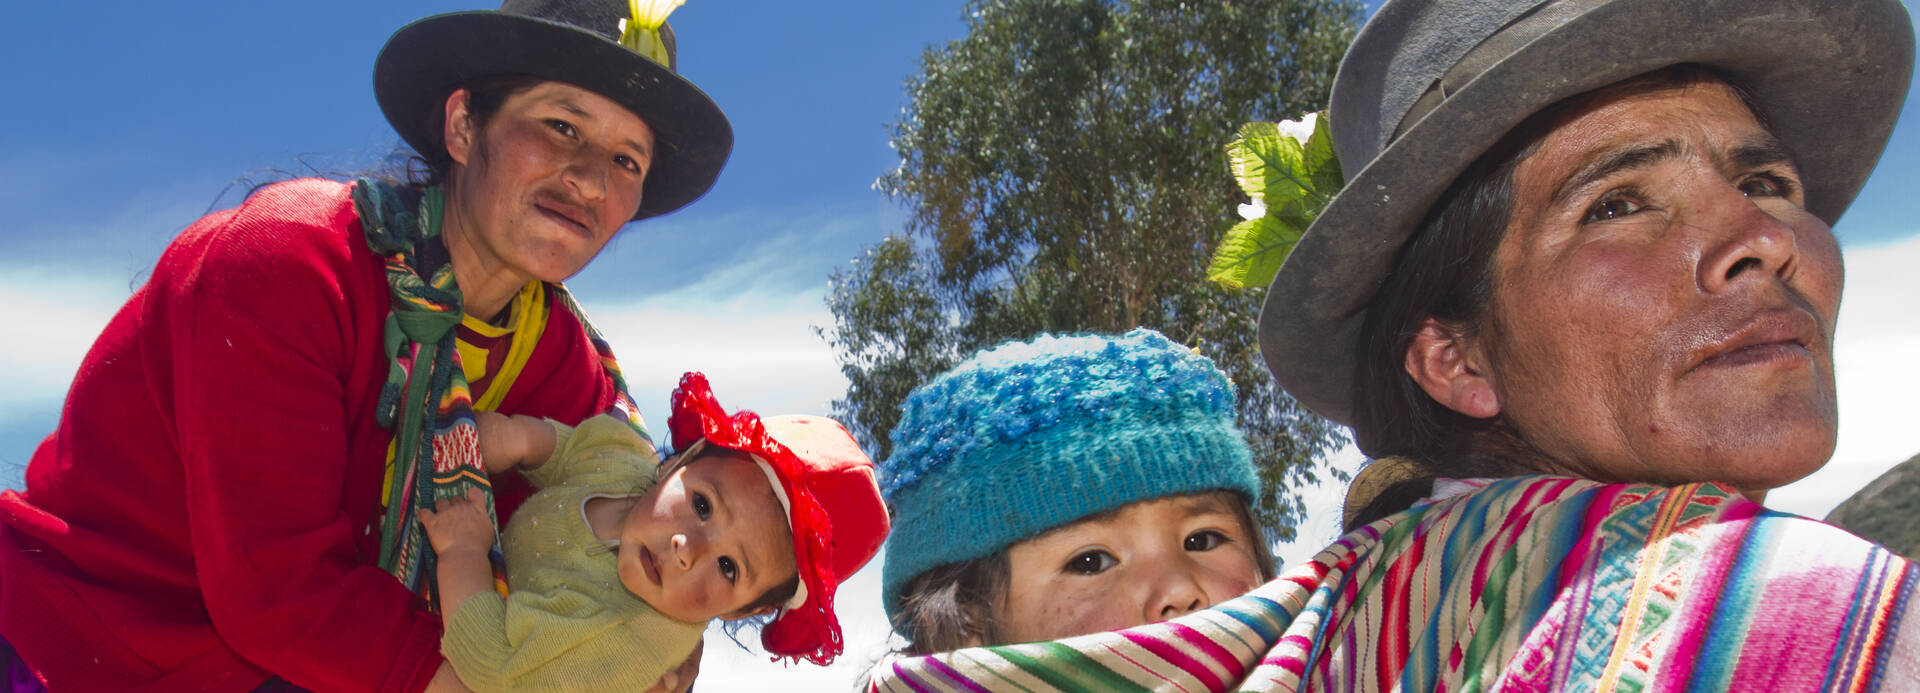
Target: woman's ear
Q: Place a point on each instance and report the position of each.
(457, 131)
(1451, 370)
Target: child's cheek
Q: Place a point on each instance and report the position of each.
(1234, 573)
(1087, 607)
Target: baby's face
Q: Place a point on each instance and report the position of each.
(1148, 562)
(707, 541)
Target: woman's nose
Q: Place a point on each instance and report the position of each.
(588, 175)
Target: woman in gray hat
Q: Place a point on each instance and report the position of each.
(1578, 302)
(229, 497)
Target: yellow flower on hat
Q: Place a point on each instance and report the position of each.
(641, 32)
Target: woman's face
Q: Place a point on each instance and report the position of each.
(548, 180)
(1663, 306)
(1150, 561)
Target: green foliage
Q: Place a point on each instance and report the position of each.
(1291, 180)
(1253, 249)
(1060, 174)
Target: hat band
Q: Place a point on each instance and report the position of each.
(786, 511)
(1504, 42)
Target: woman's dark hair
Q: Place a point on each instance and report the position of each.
(1446, 272)
(952, 606)
(486, 94)
(401, 165)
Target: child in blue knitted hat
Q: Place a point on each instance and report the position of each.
(1067, 485)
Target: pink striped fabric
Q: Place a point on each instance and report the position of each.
(1525, 584)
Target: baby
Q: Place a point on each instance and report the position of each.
(613, 577)
(1067, 485)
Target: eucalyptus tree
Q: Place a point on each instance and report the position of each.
(1063, 168)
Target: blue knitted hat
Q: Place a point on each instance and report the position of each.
(1029, 436)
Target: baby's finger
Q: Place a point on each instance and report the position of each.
(448, 503)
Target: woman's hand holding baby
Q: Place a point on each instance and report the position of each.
(461, 533)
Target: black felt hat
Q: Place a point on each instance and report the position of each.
(572, 41)
(1427, 87)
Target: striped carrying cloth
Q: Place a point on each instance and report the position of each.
(1524, 584)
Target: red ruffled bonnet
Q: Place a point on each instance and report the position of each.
(833, 506)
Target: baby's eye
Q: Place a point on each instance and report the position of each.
(701, 507)
(1611, 208)
(1092, 562)
(1205, 540)
(728, 570)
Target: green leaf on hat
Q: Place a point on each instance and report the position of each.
(1323, 165)
(1291, 172)
(1252, 252)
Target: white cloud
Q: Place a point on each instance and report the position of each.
(57, 315)
(756, 347)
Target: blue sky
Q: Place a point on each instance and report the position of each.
(131, 119)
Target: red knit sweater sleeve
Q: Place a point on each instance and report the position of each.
(258, 353)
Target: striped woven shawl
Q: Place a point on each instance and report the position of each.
(1524, 584)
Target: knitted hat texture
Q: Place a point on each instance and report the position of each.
(1029, 436)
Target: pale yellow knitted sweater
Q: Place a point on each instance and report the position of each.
(567, 623)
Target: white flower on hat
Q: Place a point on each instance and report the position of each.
(641, 32)
(1300, 130)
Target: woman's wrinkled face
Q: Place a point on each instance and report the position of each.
(1663, 307)
(548, 179)
(1149, 561)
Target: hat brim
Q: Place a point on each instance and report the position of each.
(1830, 77)
(424, 61)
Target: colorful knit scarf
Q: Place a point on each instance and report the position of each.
(435, 452)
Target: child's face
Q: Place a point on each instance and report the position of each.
(1150, 561)
(707, 541)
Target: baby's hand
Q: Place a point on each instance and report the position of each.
(507, 442)
(459, 524)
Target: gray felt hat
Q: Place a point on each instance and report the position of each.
(572, 41)
(1427, 87)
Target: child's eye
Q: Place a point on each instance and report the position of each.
(1092, 562)
(1205, 540)
(701, 507)
(561, 126)
(728, 570)
(626, 162)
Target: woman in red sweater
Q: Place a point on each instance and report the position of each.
(225, 505)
